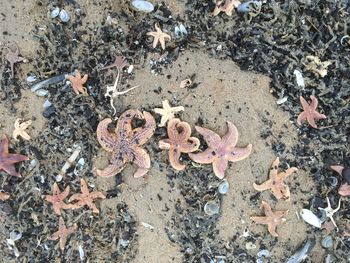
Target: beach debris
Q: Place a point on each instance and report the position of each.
(223, 187)
(330, 211)
(4, 196)
(345, 40)
(211, 208)
(344, 189)
(14, 236)
(77, 82)
(167, 112)
(20, 129)
(250, 246)
(309, 112)
(226, 7)
(13, 57)
(85, 197)
(81, 252)
(143, 6)
(57, 199)
(8, 160)
(327, 242)
(125, 143)
(31, 78)
(271, 219)
(318, 67)
(310, 218)
(299, 79)
(264, 253)
(276, 181)
(111, 21)
(180, 31)
(159, 36)
(55, 12)
(70, 161)
(302, 251)
(38, 87)
(63, 233)
(64, 16)
(251, 7)
(220, 150)
(146, 225)
(185, 83)
(328, 225)
(179, 141)
(281, 100)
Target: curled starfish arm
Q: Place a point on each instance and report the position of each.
(142, 160)
(203, 157)
(142, 134)
(105, 138)
(262, 187)
(280, 191)
(211, 138)
(338, 168)
(219, 167)
(165, 144)
(178, 130)
(125, 120)
(288, 172)
(191, 145)
(174, 158)
(238, 154)
(111, 170)
(231, 137)
(267, 209)
(272, 229)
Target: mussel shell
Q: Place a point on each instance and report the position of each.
(64, 16)
(143, 6)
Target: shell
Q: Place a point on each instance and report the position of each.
(223, 187)
(263, 253)
(310, 218)
(55, 12)
(42, 92)
(143, 6)
(327, 242)
(211, 208)
(64, 16)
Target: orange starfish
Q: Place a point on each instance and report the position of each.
(276, 181)
(86, 197)
(63, 233)
(310, 114)
(57, 199)
(271, 219)
(220, 150)
(179, 141)
(159, 36)
(227, 7)
(78, 82)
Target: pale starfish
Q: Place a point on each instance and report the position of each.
(78, 82)
(159, 36)
(315, 65)
(20, 129)
(86, 197)
(63, 233)
(310, 114)
(271, 219)
(167, 112)
(179, 141)
(330, 211)
(276, 181)
(57, 199)
(227, 7)
(13, 57)
(221, 150)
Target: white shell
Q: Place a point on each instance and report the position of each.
(55, 12)
(64, 16)
(31, 78)
(310, 218)
(282, 100)
(143, 6)
(183, 29)
(299, 78)
(130, 69)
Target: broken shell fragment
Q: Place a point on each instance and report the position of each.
(55, 12)
(327, 242)
(224, 186)
(143, 6)
(211, 208)
(310, 218)
(64, 16)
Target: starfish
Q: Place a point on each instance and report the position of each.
(13, 57)
(63, 233)
(167, 112)
(179, 141)
(227, 7)
(276, 181)
(159, 36)
(221, 150)
(125, 143)
(330, 211)
(271, 219)
(314, 64)
(4, 196)
(78, 82)
(20, 129)
(7, 160)
(119, 63)
(344, 189)
(57, 199)
(310, 114)
(86, 197)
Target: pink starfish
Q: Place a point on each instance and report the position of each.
(221, 150)
(310, 114)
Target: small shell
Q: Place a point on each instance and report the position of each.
(282, 100)
(224, 186)
(143, 6)
(263, 253)
(327, 242)
(55, 12)
(64, 16)
(31, 78)
(299, 79)
(41, 92)
(183, 29)
(130, 69)
(310, 218)
(211, 208)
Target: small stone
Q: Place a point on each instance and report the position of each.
(211, 208)
(250, 245)
(49, 112)
(346, 174)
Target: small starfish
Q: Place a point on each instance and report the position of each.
(78, 82)
(13, 57)
(271, 219)
(125, 143)
(315, 65)
(159, 36)
(276, 181)
(221, 150)
(86, 197)
(310, 114)
(20, 129)
(63, 233)
(57, 199)
(167, 112)
(119, 63)
(4, 196)
(344, 189)
(227, 7)
(7, 160)
(330, 211)
(179, 142)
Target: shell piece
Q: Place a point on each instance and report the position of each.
(310, 218)
(299, 79)
(55, 12)
(223, 187)
(211, 208)
(327, 242)
(64, 16)
(143, 6)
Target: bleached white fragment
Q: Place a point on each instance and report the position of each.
(299, 79)
(282, 100)
(146, 225)
(310, 218)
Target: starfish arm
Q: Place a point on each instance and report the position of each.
(56, 208)
(10, 169)
(106, 139)
(174, 159)
(177, 109)
(267, 209)
(311, 121)
(280, 191)
(125, 120)
(275, 165)
(337, 168)
(4, 145)
(212, 139)
(262, 187)
(77, 197)
(162, 42)
(314, 102)
(141, 158)
(173, 129)
(219, 167)
(25, 135)
(203, 157)
(84, 187)
(301, 117)
(191, 145)
(319, 116)
(304, 103)
(55, 236)
(15, 158)
(63, 241)
(111, 169)
(165, 144)
(163, 120)
(84, 79)
(72, 229)
(155, 41)
(17, 125)
(143, 134)
(238, 154)
(216, 11)
(77, 74)
(93, 207)
(259, 219)
(65, 193)
(231, 137)
(272, 229)
(288, 172)
(159, 111)
(97, 194)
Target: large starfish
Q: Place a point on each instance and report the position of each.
(57, 199)
(125, 142)
(227, 7)
(276, 181)
(310, 114)
(159, 36)
(63, 233)
(78, 82)
(220, 150)
(271, 219)
(167, 112)
(86, 197)
(7, 160)
(179, 141)
(20, 129)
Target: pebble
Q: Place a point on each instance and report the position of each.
(64, 16)
(327, 242)
(143, 6)
(49, 112)
(346, 174)
(55, 12)
(211, 208)
(223, 187)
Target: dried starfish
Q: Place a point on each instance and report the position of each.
(4, 196)
(167, 112)
(179, 141)
(276, 181)
(20, 129)
(271, 219)
(78, 82)
(63, 233)
(315, 65)
(125, 143)
(86, 197)
(7, 160)
(344, 189)
(227, 7)
(159, 36)
(57, 199)
(330, 211)
(310, 114)
(221, 150)
(13, 57)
